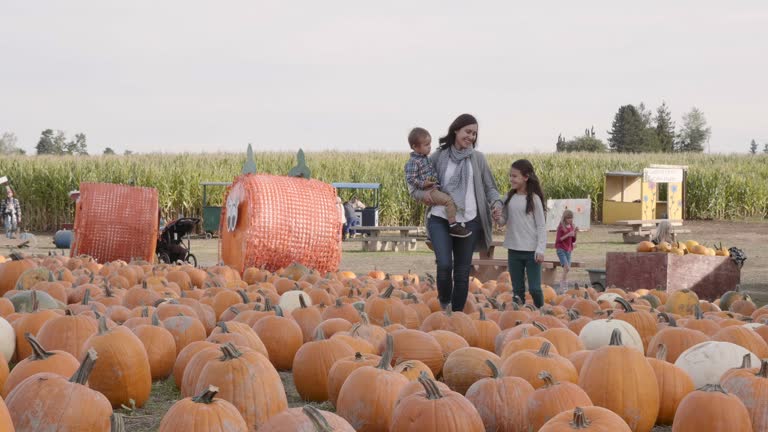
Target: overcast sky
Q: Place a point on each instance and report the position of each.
(193, 76)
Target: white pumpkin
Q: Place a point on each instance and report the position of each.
(753, 325)
(708, 361)
(597, 333)
(290, 301)
(610, 298)
(7, 339)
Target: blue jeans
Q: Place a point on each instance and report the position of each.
(9, 222)
(453, 257)
(521, 263)
(565, 257)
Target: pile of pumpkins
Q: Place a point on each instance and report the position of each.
(683, 248)
(87, 338)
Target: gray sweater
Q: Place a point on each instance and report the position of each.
(486, 193)
(525, 231)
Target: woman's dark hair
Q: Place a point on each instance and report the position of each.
(461, 121)
(532, 186)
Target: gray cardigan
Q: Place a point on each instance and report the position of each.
(485, 192)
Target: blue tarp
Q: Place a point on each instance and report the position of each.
(356, 185)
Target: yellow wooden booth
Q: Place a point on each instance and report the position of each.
(656, 193)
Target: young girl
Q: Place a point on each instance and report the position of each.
(663, 233)
(564, 243)
(526, 238)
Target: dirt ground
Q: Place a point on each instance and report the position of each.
(591, 248)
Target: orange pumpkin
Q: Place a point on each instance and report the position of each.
(528, 364)
(56, 362)
(674, 384)
(203, 413)
(553, 398)
(434, 410)
(751, 387)
(343, 367)
(307, 418)
(466, 366)
(501, 401)
(312, 363)
(621, 379)
(711, 408)
(590, 419)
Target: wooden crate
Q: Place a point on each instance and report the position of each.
(708, 276)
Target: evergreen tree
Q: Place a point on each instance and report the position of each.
(694, 133)
(109, 151)
(753, 147)
(560, 146)
(765, 148)
(627, 131)
(665, 129)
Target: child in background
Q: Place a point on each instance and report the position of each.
(565, 240)
(422, 181)
(526, 237)
(663, 233)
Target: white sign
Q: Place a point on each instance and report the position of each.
(663, 175)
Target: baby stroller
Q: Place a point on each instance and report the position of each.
(170, 243)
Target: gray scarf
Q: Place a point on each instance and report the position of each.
(456, 186)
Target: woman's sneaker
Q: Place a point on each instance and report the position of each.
(457, 230)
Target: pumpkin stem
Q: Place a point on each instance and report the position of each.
(319, 334)
(223, 326)
(244, 296)
(713, 388)
(525, 333)
(493, 367)
(207, 395)
(763, 372)
(746, 362)
(548, 379)
(103, 325)
(573, 314)
(302, 302)
(386, 322)
(433, 392)
(86, 297)
(544, 350)
(35, 301)
(38, 352)
(625, 304)
(318, 420)
(386, 356)
(155, 320)
(661, 352)
(268, 303)
(145, 312)
(230, 352)
(339, 303)
(697, 312)
(68, 312)
(616, 338)
(364, 318)
(86, 367)
(388, 292)
(672, 322)
(539, 325)
(580, 420)
(279, 311)
(358, 356)
(482, 315)
(117, 423)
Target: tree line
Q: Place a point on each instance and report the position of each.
(635, 129)
(51, 143)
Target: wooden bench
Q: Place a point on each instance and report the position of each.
(486, 267)
(635, 231)
(374, 241)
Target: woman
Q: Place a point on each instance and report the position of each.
(464, 174)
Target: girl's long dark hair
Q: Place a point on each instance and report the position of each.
(532, 186)
(461, 121)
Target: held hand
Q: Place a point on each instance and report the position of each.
(539, 258)
(496, 213)
(428, 184)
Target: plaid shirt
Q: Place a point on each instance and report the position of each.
(10, 206)
(417, 170)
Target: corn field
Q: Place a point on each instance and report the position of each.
(718, 186)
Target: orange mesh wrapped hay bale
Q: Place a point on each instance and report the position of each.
(273, 221)
(115, 222)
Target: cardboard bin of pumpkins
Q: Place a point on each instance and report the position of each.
(709, 272)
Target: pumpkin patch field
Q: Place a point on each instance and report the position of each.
(178, 348)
